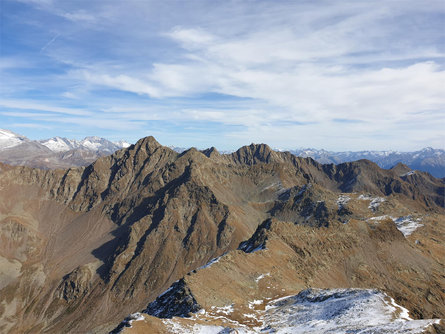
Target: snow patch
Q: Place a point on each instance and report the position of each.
(311, 311)
(212, 261)
(342, 201)
(364, 197)
(340, 311)
(380, 218)
(127, 323)
(261, 277)
(228, 309)
(406, 224)
(375, 201)
(255, 302)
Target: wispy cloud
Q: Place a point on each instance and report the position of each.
(348, 74)
(31, 126)
(51, 41)
(33, 105)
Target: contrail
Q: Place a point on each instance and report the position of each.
(50, 42)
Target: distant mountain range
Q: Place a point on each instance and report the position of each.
(58, 152)
(427, 160)
(55, 152)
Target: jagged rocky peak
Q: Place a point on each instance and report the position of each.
(253, 154)
(211, 152)
(148, 143)
(401, 169)
(258, 240)
(177, 301)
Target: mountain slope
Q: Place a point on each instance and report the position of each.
(97, 243)
(291, 259)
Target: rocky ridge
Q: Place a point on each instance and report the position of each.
(94, 244)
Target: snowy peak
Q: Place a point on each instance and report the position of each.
(55, 152)
(122, 144)
(58, 144)
(93, 143)
(100, 144)
(10, 139)
(428, 159)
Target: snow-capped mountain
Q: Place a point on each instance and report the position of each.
(58, 144)
(56, 152)
(122, 143)
(93, 143)
(10, 139)
(428, 159)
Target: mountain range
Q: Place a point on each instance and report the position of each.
(55, 152)
(428, 159)
(149, 240)
(60, 152)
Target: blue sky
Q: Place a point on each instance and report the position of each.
(339, 75)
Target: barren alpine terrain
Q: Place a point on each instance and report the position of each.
(252, 241)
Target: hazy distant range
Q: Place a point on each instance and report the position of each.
(58, 152)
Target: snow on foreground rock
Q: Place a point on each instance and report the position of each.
(407, 224)
(311, 311)
(341, 311)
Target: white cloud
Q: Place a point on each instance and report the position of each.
(30, 126)
(79, 16)
(191, 38)
(120, 82)
(295, 69)
(32, 105)
(299, 71)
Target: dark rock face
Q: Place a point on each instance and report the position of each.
(112, 236)
(258, 239)
(177, 301)
(76, 284)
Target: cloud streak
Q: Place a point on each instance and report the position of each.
(343, 75)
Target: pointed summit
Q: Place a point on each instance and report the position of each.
(253, 154)
(149, 143)
(401, 168)
(211, 152)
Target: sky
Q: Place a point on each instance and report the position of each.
(338, 75)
